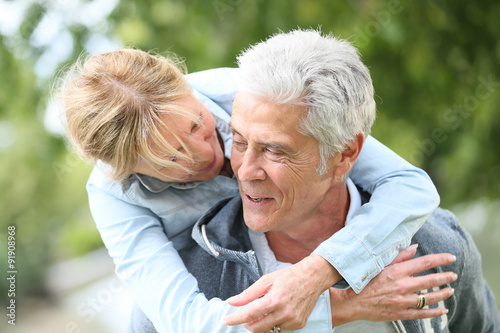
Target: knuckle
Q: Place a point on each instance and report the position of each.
(302, 323)
(297, 323)
(401, 288)
(427, 261)
(288, 315)
(274, 303)
(399, 300)
(434, 280)
(248, 317)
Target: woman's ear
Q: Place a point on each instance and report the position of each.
(350, 154)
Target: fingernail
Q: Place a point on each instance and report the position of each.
(453, 258)
(230, 299)
(455, 276)
(413, 247)
(452, 291)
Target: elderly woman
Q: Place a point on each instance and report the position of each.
(161, 144)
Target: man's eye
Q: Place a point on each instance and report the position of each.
(273, 152)
(239, 144)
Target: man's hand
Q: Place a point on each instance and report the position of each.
(392, 295)
(290, 295)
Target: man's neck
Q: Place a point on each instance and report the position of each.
(294, 245)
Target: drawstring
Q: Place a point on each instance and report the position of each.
(210, 247)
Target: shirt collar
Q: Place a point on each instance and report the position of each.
(155, 185)
(355, 202)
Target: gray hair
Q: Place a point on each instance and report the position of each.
(320, 72)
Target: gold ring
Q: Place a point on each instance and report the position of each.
(421, 301)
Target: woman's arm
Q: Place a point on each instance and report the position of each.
(402, 198)
(147, 262)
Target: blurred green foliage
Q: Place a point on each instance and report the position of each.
(434, 65)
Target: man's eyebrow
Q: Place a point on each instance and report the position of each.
(275, 145)
(234, 130)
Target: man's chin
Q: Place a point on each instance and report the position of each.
(255, 223)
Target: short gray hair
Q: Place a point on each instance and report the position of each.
(320, 72)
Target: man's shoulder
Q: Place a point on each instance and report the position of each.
(442, 226)
(442, 232)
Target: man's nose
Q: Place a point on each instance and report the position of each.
(251, 168)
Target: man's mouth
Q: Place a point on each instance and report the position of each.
(255, 199)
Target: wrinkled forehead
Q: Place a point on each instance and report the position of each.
(249, 110)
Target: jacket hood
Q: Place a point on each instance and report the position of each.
(223, 233)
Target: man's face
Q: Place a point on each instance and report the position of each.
(276, 165)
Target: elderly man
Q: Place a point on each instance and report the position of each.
(304, 108)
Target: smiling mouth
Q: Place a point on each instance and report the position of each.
(257, 200)
(254, 199)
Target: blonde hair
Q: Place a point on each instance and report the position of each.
(112, 107)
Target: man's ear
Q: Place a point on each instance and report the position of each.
(349, 155)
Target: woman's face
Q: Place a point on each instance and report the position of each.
(201, 140)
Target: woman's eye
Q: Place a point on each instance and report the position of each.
(197, 125)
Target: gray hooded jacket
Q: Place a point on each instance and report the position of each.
(223, 262)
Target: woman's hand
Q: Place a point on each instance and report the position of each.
(392, 295)
(290, 295)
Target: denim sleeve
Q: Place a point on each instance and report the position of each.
(147, 262)
(402, 197)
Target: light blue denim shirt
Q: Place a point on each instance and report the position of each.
(144, 221)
